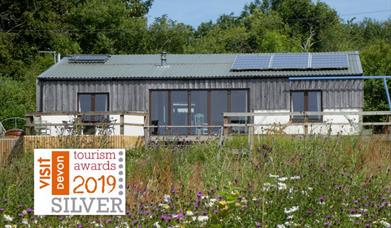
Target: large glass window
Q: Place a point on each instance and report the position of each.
(93, 102)
(180, 112)
(159, 112)
(306, 101)
(239, 104)
(199, 112)
(219, 105)
(199, 108)
(314, 105)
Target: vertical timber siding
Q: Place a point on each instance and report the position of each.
(336, 94)
(132, 95)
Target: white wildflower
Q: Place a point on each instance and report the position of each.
(211, 202)
(385, 224)
(167, 198)
(164, 206)
(290, 217)
(282, 179)
(8, 226)
(202, 218)
(189, 213)
(281, 226)
(288, 223)
(205, 197)
(267, 186)
(25, 221)
(8, 218)
(355, 215)
(124, 224)
(309, 188)
(273, 176)
(295, 178)
(156, 225)
(291, 210)
(281, 186)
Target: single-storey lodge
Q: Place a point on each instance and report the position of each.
(196, 89)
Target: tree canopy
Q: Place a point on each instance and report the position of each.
(121, 27)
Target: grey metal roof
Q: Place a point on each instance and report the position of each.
(189, 66)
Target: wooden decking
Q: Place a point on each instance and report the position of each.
(182, 139)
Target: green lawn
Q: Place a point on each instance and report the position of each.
(285, 181)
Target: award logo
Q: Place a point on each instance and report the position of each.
(79, 181)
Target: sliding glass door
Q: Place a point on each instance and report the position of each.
(159, 112)
(199, 112)
(219, 105)
(197, 109)
(179, 112)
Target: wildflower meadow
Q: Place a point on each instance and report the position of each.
(283, 181)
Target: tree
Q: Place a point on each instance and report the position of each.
(268, 33)
(168, 35)
(376, 59)
(18, 96)
(108, 26)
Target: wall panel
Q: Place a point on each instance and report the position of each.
(265, 94)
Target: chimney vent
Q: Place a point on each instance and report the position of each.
(58, 57)
(163, 58)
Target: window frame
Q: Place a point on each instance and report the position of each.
(306, 106)
(189, 98)
(93, 104)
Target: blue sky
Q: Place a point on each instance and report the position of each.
(194, 12)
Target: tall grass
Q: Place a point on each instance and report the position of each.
(286, 181)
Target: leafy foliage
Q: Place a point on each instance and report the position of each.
(121, 27)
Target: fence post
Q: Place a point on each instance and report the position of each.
(121, 126)
(29, 122)
(226, 129)
(305, 124)
(251, 137)
(146, 130)
(389, 126)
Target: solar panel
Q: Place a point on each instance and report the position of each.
(329, 61)
(89, 58)
(251, 62)
(290, 61)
